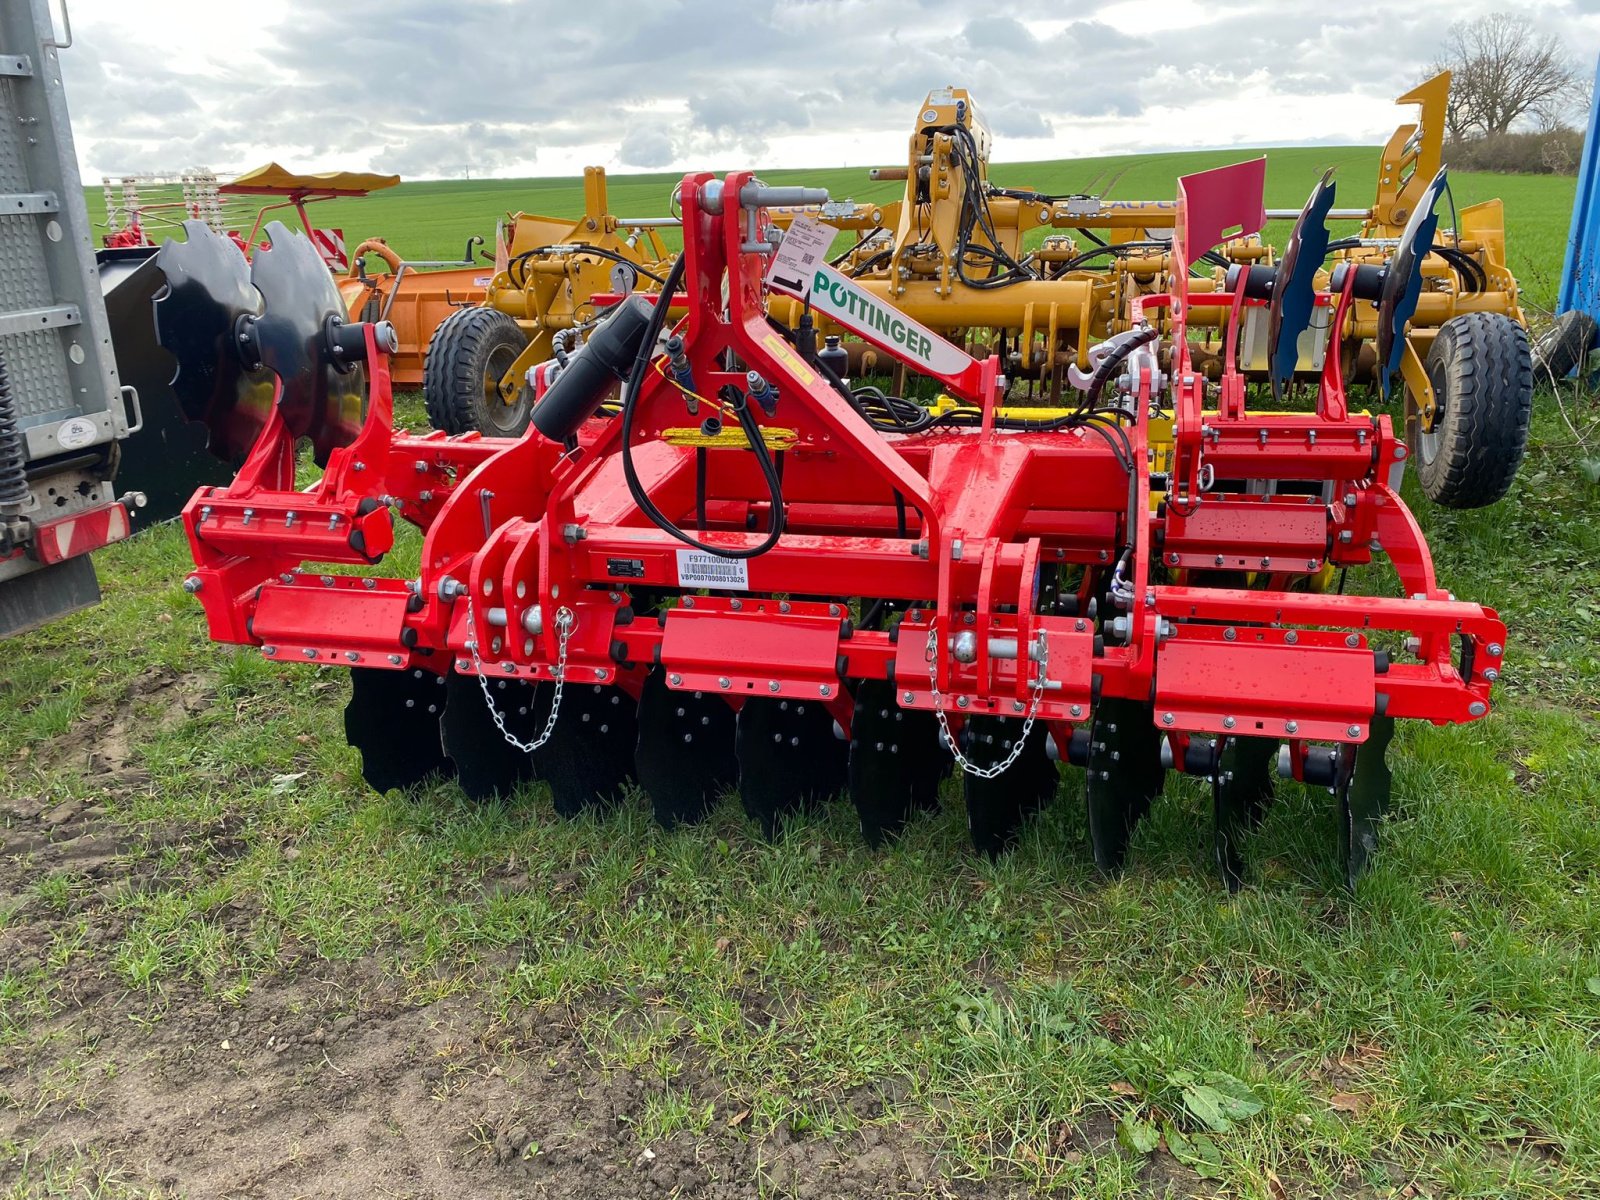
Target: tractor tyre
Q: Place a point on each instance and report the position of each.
(1563, 346)
(468, 356)
(1481, 369)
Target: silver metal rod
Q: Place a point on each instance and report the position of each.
(1337, 214)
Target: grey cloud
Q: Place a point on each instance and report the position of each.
(647, 146)
(427, 87)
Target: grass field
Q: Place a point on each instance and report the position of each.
(228, 969)
(434, 220)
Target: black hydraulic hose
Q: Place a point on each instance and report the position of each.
(520, 277)
(747, 422)
(13, 471)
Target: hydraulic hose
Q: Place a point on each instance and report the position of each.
(747, 422)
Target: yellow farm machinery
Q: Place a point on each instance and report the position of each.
(1044, 283)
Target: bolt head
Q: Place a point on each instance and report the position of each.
(961, 701)
(675, 680)
(1491, 675)
(908, 697)
(1291, 726)
(1168, 718)
(1076, 710)
(1477, 708)
(1495, 649)
(773, 686)
(724, 683)
(1354, 731)
(191, 585)
(1228, 722)
(269, 651)
(826, 690)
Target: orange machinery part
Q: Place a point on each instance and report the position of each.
(424, 299)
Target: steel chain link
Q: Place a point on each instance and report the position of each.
(565, 620)
(962, 761)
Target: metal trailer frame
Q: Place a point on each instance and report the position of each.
(65, 409)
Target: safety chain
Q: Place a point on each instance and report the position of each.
(962, 761)
(565, 620)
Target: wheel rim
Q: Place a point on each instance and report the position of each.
(1429, 440)
(502, 417)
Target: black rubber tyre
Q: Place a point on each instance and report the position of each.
(1481, 369)
(1563, 346)
(469, 354)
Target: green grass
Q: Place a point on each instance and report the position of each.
(433, 220)
(1453, 996)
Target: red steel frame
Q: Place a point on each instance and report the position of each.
(955, 522)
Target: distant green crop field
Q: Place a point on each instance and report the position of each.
(433, 220)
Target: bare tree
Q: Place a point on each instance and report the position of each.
(1502, 72)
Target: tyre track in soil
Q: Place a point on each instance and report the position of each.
(324, 1081)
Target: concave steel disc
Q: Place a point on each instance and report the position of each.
(1402, 285)
(1294, 293)
(321, 399)
(207, 301)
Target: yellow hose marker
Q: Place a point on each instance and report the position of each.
(728, 439)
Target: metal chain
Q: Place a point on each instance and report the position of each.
(565, 621)
(962, 761)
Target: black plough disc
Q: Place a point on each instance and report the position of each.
(685, 755)
(486, 764)
(321, 399)
(393, 720)
(1123, 777)
(589, 756)
(1241, 790)
(997, 807)
(1293, 300)
(197, 320)
(1363, 785)
(788, 757)
(896, 761)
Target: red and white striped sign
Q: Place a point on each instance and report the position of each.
(57, 541)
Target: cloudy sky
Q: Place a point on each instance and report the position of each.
(441, 88)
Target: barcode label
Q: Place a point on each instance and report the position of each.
(698, 569)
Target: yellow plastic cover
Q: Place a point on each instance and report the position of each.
(275, 179)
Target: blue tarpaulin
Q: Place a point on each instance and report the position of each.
(1580, 277)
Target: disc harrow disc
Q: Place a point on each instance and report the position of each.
(1123, 777)
(486, 764)
(320, 398)
(198, 317)
(1294, 292)
(1364, 786)
(997, 807)
(393, 720)
(895, 762)
(1241, 790)
(589, 757)
(685, 757)
(1402, 284)
(789, 758)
